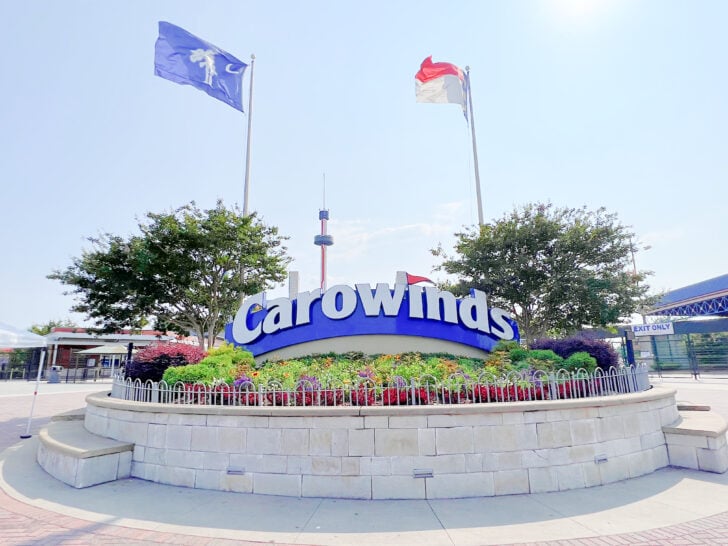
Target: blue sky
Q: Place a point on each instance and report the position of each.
(614, 103)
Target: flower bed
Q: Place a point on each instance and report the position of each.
(457, 389)
(229, 376)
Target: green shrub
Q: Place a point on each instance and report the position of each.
(191, 373)
(580, 360)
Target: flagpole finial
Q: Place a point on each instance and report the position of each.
(467, 69)
(252, 56)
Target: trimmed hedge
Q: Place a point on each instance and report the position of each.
(600, 350)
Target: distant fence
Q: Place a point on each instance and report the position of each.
(456, 389)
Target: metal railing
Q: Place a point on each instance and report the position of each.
(456, 389)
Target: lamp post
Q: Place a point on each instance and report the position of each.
(634, 267)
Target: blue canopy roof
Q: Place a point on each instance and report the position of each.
(704, 298)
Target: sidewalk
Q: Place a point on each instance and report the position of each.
(670, 506)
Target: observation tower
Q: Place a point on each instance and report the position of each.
(323, 240)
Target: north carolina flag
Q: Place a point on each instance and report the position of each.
(440, 83)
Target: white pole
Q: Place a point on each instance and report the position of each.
(35, 393)
(250, 126)
(475, 147)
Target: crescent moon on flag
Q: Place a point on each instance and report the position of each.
(227, 69)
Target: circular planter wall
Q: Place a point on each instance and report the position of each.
(407, 452)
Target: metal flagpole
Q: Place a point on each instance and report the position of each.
(475, 147)
(35, 393)
(247, 152)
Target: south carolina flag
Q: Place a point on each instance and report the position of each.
(440, 83)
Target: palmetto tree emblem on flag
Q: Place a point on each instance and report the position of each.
(184, 58)
(206, 60)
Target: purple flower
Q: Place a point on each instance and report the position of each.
(309, 383)
(243, 381)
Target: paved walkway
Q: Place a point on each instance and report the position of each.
(667, 507)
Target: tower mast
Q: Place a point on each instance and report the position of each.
(323, 239)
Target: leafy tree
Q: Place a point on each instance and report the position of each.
(186, 271)
(554, 269)
(45, 328)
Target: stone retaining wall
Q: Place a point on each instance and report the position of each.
(375, 452)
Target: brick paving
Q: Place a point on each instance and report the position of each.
(22, 524)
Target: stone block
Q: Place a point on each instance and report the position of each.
(716, 442)
(653, 439)
(511, 482)
(553, 434)
(361, 442)
(583, 431)
(475, 420)
(320, 442)
(216, 461)
(156, 436)
(264, 441)
(277, 484)
(514, 437)
(668, 415)
(483, 439)
(347, 487)
(187, 419)
(376, 466)
(326, 465)
(454, 440)
(542, 480)
(397, 487)
(640, 463)
(295, 441)
(127, 431)
(95, 470)
(388, 442)
(474, 462)
(615, 469)
(535, 416)
(509, 460)
(237, 483)
(178, 437)
(660, 458)
(570, 477)
(713, 460)
(440, 464)
(174, 475)
(591, 473)
(155, 455)
(205, 438)
(538, 458)
(231, 440)
(138, 453)
(238, 421)
(426, 441)
(582, 453)
(649, 421)
(345, 423)
(610, 428)
(297, 464)
(292, 422)
(686, 440)
(208, 479)
(513, 418)
(185, 459)
(350, 466)
(375, 421)
(453, 486)
(408, 421)
(267, 464)
(145, 471)
(96, 424)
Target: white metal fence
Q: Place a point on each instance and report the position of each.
(456, 389)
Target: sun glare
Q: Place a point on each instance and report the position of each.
(579, 10)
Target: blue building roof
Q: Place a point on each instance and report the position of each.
(704, 298)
